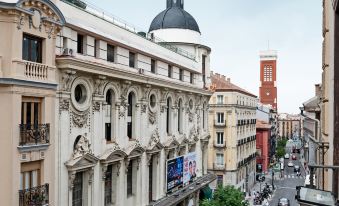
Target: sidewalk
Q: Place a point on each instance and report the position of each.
(256, 187)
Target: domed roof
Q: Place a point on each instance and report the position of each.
(174, 17)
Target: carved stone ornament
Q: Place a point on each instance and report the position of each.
(124, 89)
(149, 159)
(64, 104)
(99, 85)
(71, 178)
(104, 171)
(146, 91)
(79, 120)
(67, 78)
(90, 175)
(143, 107)
(163, 108)
(96, 106)
(81, 148)
(152, 117)
(127, 162)
(122, 109)
(118, 167)
(190, 117)
(193, 133)
(20, 21)
(155, 138)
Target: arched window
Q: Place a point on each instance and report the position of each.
(109, 115)
(169, 117)
(131, 115)
(180, 117)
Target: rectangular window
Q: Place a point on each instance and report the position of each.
(220, 99)
(77, 195)
(32, 48)
(220, 179)
(131, 59)
(96, 48)
(80, 44)
(108, 132)
(110, 53)
(170, 72)
(31, 110)
(181, 74)
(220, 159)
(153, 66)
(220, 118)
(130, 179)
(220, 138)
(204, 69)
(191, 78)
(108, 185)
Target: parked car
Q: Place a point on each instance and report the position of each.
(296, 168)
(290, 164)
(294, 157)
(281, 160)
(284, 202)
(287, 156)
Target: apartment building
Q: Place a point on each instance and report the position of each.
(232, 120)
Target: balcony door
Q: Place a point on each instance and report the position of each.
(30, 175)
(31, 111)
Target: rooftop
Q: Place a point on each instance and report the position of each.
(116, 21)
(221, 83)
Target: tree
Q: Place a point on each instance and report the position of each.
(228, 195)
(280, 152)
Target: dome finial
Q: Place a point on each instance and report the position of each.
(175, 3)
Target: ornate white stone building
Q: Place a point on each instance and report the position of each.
(119, 103)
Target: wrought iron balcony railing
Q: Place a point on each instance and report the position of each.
(34, 134)
(37, 196)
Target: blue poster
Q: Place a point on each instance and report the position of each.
(174, 173)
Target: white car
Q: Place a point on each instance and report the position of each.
(287, 156)
(290, 164)
(281, 159)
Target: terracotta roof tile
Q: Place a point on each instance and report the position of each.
(220, 83)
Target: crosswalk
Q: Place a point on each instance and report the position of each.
(294, 177)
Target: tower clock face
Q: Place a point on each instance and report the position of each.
(268, 93)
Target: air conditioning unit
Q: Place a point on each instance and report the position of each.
(141, 71)
(68, 52)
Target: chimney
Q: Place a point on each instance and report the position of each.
(223, 77)
(318, 90)
(229, 80)
(217, 74)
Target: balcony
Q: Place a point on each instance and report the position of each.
(217, 166)
(34, 136)
(219, 124)
(218, 145)
(34, 196)
(33, 71)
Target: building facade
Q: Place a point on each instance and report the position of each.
(289, 125)
(102, 108)
(268, 116)
(268, 78)
(263, 146)
(232, 128)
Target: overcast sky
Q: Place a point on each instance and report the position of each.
(237, 30)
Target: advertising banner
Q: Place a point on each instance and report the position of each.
(174, 172)
(190, 167)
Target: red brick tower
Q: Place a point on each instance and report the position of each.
(268, 78)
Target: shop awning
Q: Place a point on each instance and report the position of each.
(207, 191)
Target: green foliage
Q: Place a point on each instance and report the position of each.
(280, 152)
(228, 195)
(282, 143)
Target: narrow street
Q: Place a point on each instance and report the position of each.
(286, 186)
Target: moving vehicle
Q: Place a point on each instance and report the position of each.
(284, 202)
(290, 164)
(296, 168)
(287, 156)
(281, 159)
(294, 157)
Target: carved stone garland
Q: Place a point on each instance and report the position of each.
(80, 119)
